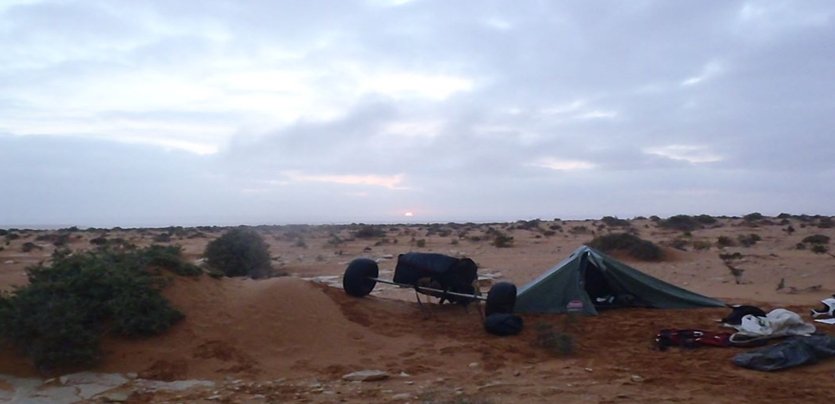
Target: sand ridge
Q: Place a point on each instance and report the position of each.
(292, 339)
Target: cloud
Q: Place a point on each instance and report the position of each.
(693, 154)
(563, 165)
(358, 109)
(709, 71)
(390, 182)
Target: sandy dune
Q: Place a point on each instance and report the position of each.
(292, 339)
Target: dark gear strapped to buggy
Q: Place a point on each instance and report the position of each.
(441, 272)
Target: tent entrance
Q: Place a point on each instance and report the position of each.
(603, 290)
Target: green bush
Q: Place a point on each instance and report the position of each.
(753, 217)
(59, 317)
(369, 231)
(239, 252)
(816, 239)
(501, 240)
(557, 343)
(701, 244)
(748, 240)
(725, 241)
(705, 219)
(613, 221)
(681, 223)
(170, 258)
(633, 245)
(819, 249)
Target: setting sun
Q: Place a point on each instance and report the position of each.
(408, 214)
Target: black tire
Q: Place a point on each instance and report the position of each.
(501, 298)
(357, 278)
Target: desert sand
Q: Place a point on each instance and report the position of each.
(292, 338)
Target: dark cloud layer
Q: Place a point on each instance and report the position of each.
(262, 112)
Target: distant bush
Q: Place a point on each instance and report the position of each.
(239, 252)
(819, 249)
(29, 246)
(730, 256)
(753, 217)
(100, 240)
(748, 240)
(369, 231)
(612, 221)
(679, 244)
(701, 244)
(162, 238)
(825, 223)
(816, 239)
(681, 223)
(421, 243)
(528, 224)
(725, 241)
(631, 244)
(58, 318)
(501, 240)
(705, 219)
(579, 230)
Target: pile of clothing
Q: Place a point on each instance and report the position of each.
(826, 313)
(800, 344)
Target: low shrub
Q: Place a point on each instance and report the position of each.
(501, 240)
(816, 239)
(725, 241)
(631, 244)
(820, 249)
(680, 222)
(59, 317)
(555, 342)
(753, 217)
(369, 231)
(705, 219)
(701, 244)
(612, 221)
(239, 252)
(30, 246)
(748, 240)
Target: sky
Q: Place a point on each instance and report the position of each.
(178, 112)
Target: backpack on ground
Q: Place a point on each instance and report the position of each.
(690, 338)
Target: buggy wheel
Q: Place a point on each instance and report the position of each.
(501, 298)
(357, 278)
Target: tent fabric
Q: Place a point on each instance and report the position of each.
(794, 351)
(588, 281)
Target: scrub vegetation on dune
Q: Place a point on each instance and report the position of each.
(633, 245)
(239, 252)
(59, 318)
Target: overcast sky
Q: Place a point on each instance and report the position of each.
(156, 113)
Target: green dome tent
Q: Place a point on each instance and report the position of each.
(588, 281)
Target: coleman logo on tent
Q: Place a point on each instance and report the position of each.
(574, 305)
